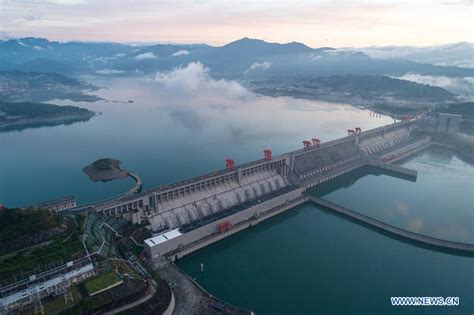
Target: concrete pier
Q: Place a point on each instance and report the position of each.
(137, 187)
(405, 173)
(444, 245)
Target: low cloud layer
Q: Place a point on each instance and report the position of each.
(260, 66)
(180, 53)
(457, 54)
(144, 56)
(195, 77)
(109, 71)
(461, 86)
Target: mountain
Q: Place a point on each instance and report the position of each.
(458, 54)
(29, 52)
(47, 66)
(18, 86)
(365, 90)
(245, 59)
(258, 47)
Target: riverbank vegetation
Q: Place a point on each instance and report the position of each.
(105, 169)
(19, 115)
(106, 164)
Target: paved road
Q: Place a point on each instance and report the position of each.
(190, 299)
(148, 296)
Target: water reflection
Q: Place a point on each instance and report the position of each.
(438, 204)
(65, 122)
(171, 131)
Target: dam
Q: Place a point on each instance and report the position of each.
(188, 215)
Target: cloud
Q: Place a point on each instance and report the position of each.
(462, 86)
(314, 57)
(180, 53)
(195, 77)
(260, 65)
(31, 18)
(352, 22)
(109, 71)
(65, 2)
(21, 43)
(455, 54)
(4, 35)
(144, 56)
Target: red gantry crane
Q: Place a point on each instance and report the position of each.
(350, 132)
(358, 130)
(267, 154)
(229, 163)
(316, 142)
(225, 226)
(307, 144)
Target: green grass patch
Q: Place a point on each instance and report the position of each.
(101, 281)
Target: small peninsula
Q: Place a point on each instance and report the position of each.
(18, 116)
(105, 169)
(19, 86)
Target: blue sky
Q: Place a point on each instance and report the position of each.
(355, 23)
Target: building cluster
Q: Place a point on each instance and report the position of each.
(11, 86)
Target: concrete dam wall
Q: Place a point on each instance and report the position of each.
(201, 210)
(176, 205)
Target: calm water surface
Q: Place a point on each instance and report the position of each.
(306, 261)
(171, 131)
(309, 261)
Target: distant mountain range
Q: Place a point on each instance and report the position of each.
(242, 59)
(364, 90)
(458, 54)
(18, 86)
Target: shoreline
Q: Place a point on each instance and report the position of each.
(44, 121)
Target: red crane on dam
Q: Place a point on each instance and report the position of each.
(225, 226)
(350, 132)
(229, 163)
(358, 130)
(316, 142)
(267, 154)
(307, 144)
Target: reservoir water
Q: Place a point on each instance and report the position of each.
(173, 130)
(309, 261)
(305, 261)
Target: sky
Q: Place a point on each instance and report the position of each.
(343, 23)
